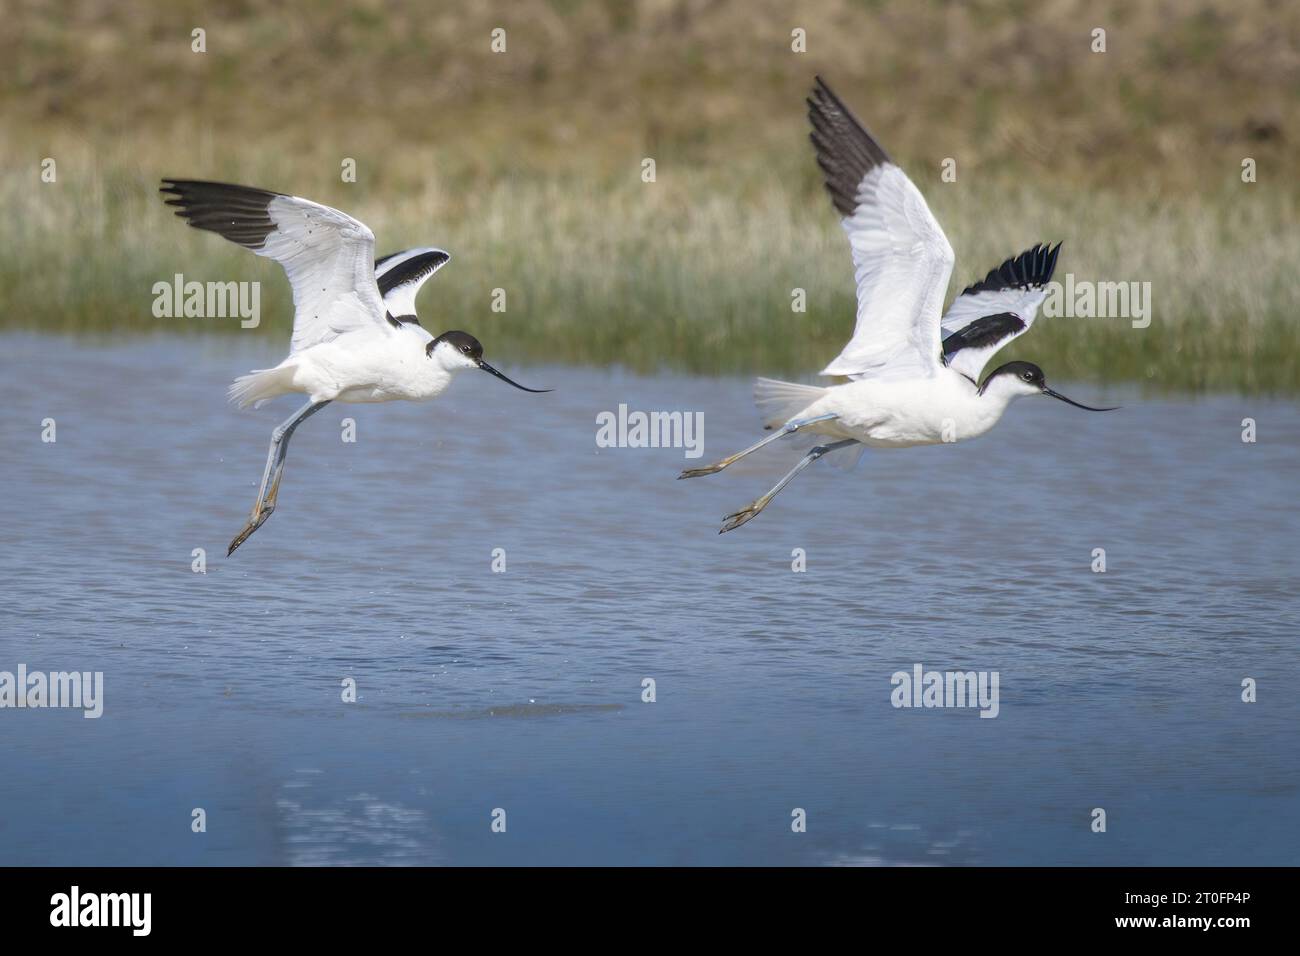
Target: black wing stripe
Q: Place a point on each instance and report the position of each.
(983, 332)
(846, 151)
(1031, 269)
(237, 213)
(412, 270)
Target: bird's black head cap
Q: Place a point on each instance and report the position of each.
(1027, 372)
(462, 342)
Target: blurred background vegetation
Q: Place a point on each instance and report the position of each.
(526, 165)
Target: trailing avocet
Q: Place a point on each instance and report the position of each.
(914, 370)
(356, 337)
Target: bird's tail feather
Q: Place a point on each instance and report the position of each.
(778, 402)
(261, 385)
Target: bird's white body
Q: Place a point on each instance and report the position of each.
(374, 370)
(942, 408)
(920, 411)
(361, 366)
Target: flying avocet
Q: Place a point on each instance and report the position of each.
(914, 370)
(356, 337)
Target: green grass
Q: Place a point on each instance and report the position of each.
(694, 271)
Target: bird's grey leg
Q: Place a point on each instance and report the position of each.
(789, 428)
(271, 474)
(298, 419)
(734, 521)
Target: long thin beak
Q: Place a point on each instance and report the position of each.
(1070, 401)
(488, 368)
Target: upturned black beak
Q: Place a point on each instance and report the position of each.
(488, 368)
(1070, 401)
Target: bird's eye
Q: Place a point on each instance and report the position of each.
(1029, 376)
(465, 349)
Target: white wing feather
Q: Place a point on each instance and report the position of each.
(901, 257)
(902, 262)
(329, 259)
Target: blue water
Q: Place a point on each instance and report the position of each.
(522, 690)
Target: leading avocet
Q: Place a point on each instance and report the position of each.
(356, 337)
(914, 370)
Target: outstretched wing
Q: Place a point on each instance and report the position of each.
(997, 309)
(327, 255)
(901, 258)
(400, 276)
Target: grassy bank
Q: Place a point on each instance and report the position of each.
(526, 167)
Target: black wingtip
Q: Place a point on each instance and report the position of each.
(845, 149)
(1032, 268)
(237, 213)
